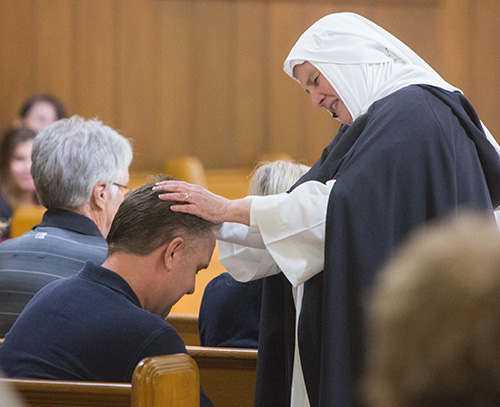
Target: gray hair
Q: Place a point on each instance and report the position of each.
(271, 178)
(70, 156)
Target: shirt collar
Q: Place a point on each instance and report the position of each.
(69, 220)
(110, 279)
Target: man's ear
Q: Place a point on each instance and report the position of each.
(173, 252)
(99, 196)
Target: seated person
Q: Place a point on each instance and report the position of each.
(99, 324)
(80, 168)
(39, 111)
(230, 310)
(434, 315)
(16, 183)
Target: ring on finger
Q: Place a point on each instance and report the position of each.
(186, 196)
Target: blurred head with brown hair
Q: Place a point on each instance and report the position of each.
(435, 319)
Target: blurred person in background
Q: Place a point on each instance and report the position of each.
(16, 183)
(230, 310)
(39, 111)
(434, 319)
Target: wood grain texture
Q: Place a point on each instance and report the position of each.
(205, 78)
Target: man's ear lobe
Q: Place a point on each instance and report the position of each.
(99, 196)
(173, 252)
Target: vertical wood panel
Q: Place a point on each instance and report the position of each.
(486, 77)
(455, 41)
(176, 73)
(250, 72)
(93, 62)
(139, 93)
(17, 68)
(55, 48)
(212, 109)
(204, 77)
(287, 101)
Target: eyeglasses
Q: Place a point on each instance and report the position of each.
(128, 190)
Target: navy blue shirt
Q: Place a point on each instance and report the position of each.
(58, 247)
(230, 313)
(88, 327)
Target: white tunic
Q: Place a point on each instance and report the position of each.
(286, 234)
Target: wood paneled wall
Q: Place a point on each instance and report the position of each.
(204, 77)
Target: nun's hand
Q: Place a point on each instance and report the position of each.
(198, 201)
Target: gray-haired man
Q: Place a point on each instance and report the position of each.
(80, 170)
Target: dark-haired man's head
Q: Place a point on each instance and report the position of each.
(156, 250)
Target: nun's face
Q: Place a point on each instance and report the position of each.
(321, 92)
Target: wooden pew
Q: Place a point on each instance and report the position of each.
(186, 326)
(227, 374)
(170, 380)
(48, 393)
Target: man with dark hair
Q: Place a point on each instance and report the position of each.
(98, 325)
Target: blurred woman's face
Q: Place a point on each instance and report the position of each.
(40, 116)
(321, 91)
(20, 167)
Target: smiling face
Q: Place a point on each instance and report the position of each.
(20, 167)
(321, 91)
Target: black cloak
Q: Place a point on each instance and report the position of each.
(417, 155)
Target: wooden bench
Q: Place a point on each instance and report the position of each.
(226, 374)
(186, 326)
(170, 380)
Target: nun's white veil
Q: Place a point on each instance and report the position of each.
(362, 61)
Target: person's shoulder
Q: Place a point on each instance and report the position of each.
(59, 240)
(13, 244)
(66, 233)
(220, 287)
(413, 109)
(222, 279)
(54, 240)
(160, 337)
(404, 100)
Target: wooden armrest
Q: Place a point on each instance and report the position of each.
(170, 380)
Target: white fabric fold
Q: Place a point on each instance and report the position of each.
(287, 233)
(362, 61)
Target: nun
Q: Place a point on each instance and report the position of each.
(411, 149)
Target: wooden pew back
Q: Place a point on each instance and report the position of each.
(48, 393)
(227, 374)
(170, 380)
(186, 326)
